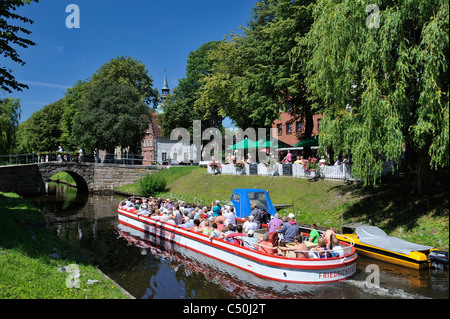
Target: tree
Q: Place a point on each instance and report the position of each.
(72, 102)
(127, 71)
(253, 77)
(179, 107)
(112, 115)
(381, 86)
(41, 132)
(9, 120)
(9, 35)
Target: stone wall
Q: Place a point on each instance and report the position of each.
(30, 179)
(108, 176)
(21, 179)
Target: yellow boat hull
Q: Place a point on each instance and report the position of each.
(415, 260)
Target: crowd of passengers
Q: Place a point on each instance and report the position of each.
(283, 237)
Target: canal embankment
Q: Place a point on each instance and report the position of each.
(36, 264)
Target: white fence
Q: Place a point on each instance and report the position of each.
(343, 171)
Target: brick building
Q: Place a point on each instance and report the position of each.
(290, 131)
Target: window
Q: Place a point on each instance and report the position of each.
(164, 157)
(280, 129)
(299, 127)
(151, 142)
(259, 199)
(289, 128)
(318, 124)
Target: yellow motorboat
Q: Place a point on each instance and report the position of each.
(373, 242)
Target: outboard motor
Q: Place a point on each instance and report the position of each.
(438, 258)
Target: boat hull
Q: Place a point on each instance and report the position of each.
(415, 260)
(278, 268)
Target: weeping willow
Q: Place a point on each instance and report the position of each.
(379, 75)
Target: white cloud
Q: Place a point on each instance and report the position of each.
(59, 49)
(43, 84)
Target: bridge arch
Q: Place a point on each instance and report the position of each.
(81, 173)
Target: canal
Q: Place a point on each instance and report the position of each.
(149, 269)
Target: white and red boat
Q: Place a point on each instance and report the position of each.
(271, 267)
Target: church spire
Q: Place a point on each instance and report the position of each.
(165, 90)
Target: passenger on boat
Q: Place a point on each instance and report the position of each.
(275, 223)
(232, 237)
(220, 225)
(289, 229)
(215, 208)
(320, 251)
(220, 217)
(197, 212)
(207, 229)
(248, 241)
(229, 230)
(250, 224)
(265, 246)
(176, 215)
(328, 234)
(314, 234)
(165, 217)
(144, 209)
(230, 217)
(256, 213)
(300, 249)
(215, 232)
(196, 227)
(337, 250)
(188, 221)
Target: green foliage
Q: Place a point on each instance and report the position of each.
(41, 132)
(380, 87)
(178, 107)
(10, 36)
(152, 184)
(129, 72)
(253, 76)
(111, 116)
(54, 125)
(9, 120)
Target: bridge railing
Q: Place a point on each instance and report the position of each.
(73, 157)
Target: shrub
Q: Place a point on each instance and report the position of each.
(152, 184)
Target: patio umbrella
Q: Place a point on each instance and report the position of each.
(310, 141)
(244, 144)
(271, 144)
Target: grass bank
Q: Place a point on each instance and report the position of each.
(392, 204)
(32, 259)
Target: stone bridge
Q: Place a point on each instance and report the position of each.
(30, 179)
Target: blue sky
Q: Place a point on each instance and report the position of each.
(159, 33)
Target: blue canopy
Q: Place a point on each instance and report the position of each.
(242, 198)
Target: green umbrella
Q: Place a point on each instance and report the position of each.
(310, 141)
(244, 144)
(271, 144)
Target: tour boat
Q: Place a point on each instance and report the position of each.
(261, 265)
(373, 242)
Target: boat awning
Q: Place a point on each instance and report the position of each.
(374, 236)
(242, 198)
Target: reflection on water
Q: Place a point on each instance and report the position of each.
(150, 269)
